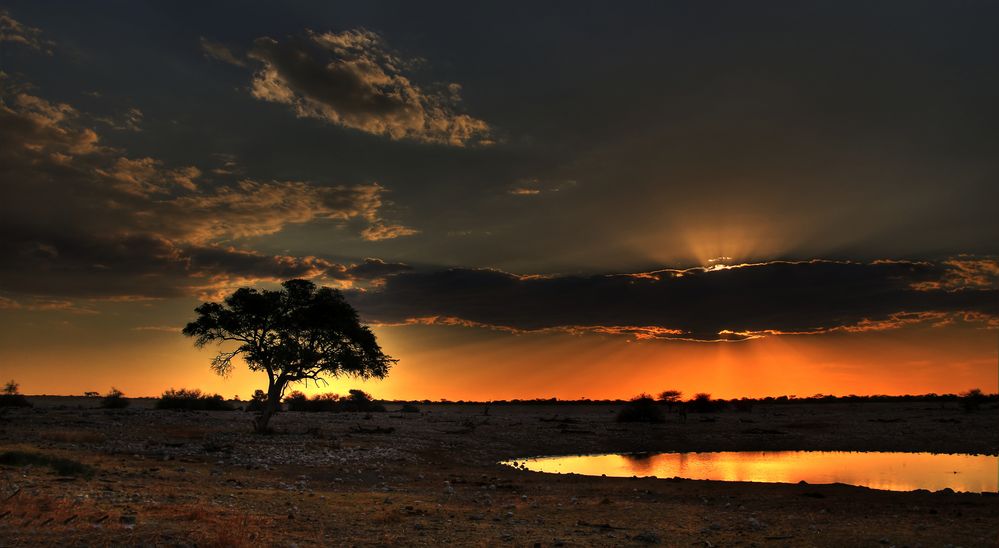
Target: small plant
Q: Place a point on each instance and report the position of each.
(115, 399)
(11, 397)
(192, 400)
(641, 408)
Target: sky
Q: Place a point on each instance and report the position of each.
(572, 200)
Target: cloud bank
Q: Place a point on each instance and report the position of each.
(81, 219)
(720, 303)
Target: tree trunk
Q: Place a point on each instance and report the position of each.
(270, 407)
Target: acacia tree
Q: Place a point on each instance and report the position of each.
(299, 333)
(670, 398)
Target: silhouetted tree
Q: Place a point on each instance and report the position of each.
(670, 398)
(115, 399)
(296, 334)
(11, 397)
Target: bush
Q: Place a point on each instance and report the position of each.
(360, 401)
(702, 403)
(63, 467)
(14, 400)
(114, 399)
(641, 408)
(257, 401)
(972, 400)
(11, 398)
(409, 408)
(192, 400)
(743, 405)
(357, 401)
(297, 401)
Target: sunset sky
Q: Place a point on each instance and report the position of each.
(561, 200)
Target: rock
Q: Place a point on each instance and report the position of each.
(648, 537)
(756, 524)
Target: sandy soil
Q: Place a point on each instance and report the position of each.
(432, 478)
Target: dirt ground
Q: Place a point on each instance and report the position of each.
(432, 478)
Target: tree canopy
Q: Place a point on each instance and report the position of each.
(296, 334)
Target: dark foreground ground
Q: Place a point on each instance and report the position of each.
(199, 478)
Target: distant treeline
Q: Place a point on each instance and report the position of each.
(735, 402)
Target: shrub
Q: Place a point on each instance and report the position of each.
(324, 403)
(641, 408)
(11, 398)
(114, 399)
(409, 408)
(972, 400)
(192, 400)
(257, 401)
(63, 467)
(296, 401)
(702, 403)
(744, 405)
(357, 401)
(360, 401)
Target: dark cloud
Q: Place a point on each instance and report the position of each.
(372, 269)
(705, 304)
(220, 52)
(13, 31)
(351, 79)
(81, 219)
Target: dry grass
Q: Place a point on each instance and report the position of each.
(29, 518)
(212, 526)
(72, 436)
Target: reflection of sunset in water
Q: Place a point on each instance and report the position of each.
(890, 471)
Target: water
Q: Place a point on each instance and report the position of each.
(877, 470)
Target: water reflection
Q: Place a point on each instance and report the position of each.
(878, 470)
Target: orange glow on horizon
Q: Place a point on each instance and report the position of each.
(462, 363)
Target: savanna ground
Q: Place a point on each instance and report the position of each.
(432, 478)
